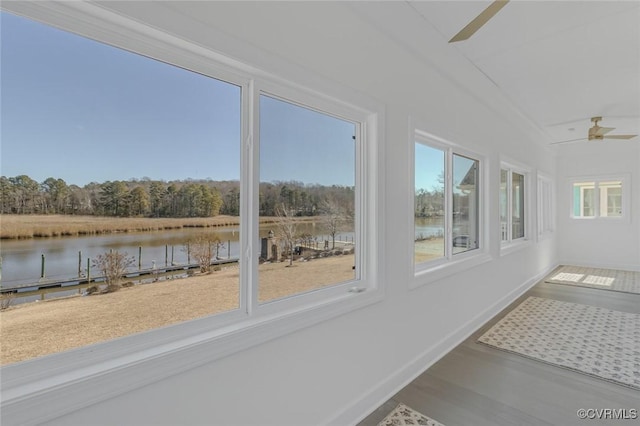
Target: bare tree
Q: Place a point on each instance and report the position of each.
(334, 218)
(6, 300)
(202, 248)
(113, 265)
(287, 229)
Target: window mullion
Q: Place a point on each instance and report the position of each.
(597, 202)
(448, 199)
(509, 205)
(361, 243)
(250, 185)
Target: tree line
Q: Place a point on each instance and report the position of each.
(154, 198)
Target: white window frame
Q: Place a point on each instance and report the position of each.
(546, 206)
(604, 199)
(511, 244)
(91, 373)
(624, 178)
(364, 240)
(433, 270)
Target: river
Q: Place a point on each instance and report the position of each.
(428, 227)
(22, 259)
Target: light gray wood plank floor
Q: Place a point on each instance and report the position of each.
(476, 385)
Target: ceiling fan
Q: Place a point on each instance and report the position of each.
(479, 21)
(598, 133)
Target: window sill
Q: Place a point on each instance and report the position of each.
(610, 219)
(42, 389)
(513, 246)
(441, 270)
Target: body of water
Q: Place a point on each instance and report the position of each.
(426, 227)
(22, 259)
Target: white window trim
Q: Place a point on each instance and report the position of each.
(512, 245)
(430, 271)
(45, 388)
(545, 231)
(364, 238)
(625, 178)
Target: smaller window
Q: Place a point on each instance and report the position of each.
(466, 207)
(308, 198)
(545, 206)
(513, 204)
(447, 203)
(611, 198)
(584, 199)
(595, 198)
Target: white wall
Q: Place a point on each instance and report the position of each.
(338, 370)
(605, 243)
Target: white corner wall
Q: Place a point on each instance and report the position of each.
(604, 243)
(337, 371)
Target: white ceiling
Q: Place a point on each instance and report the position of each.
(559, 62)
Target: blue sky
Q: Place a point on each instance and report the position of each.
(429, 165)
(82, 111)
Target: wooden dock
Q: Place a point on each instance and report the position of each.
(43, 287)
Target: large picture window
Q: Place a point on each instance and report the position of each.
(145, 139)
(121, 183)
(446, 202)
(180, 193)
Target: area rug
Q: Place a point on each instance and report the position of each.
(588, 339)
(403, 416)
(605, 279)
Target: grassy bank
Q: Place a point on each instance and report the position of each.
(34, 329)
(39, 226)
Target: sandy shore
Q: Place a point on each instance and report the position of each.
(40, 328)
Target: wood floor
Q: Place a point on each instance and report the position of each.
(475, 385)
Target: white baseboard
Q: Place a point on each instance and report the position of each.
(362, 407)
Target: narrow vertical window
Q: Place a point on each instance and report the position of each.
(504, 205)
(611, 198)
(584, 199)
(517, 212)
(465, 204)
(307, 200)
(545, 206)
(429, 205)
(513, 204)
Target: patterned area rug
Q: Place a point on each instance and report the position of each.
(591, 340)
(605, 279)
(403, 416)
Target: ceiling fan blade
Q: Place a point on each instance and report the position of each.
(600, 131)
(569, 141)
(479, 21)
(620, 136)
